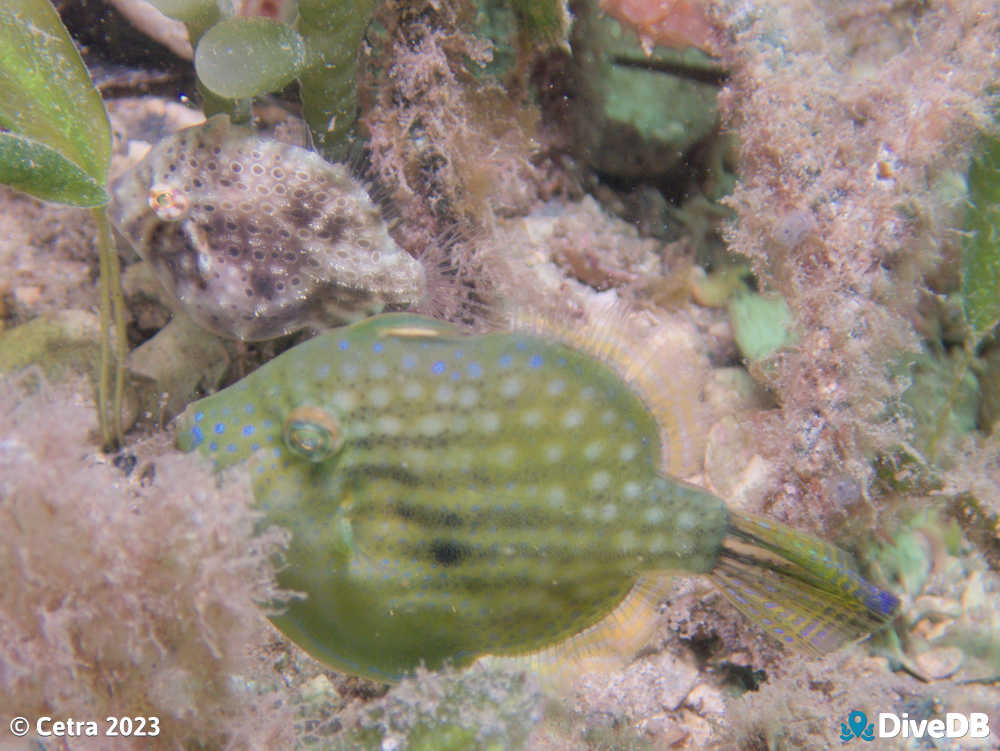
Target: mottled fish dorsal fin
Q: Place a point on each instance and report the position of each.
(609, 644)
(218, 126)
(667, 381)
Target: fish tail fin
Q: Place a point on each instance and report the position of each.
(799, 588)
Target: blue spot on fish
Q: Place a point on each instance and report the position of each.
(343, 344)
(409, 362)
(213, 446)
(438, 367)
(249, 409)
(882, 602)
(248, 430)
(231, 448)
(255, 447)
(459, 354)
(198, 435)
(276, 452)
(220, 428)
(199, 416)
(505, 361)
(378, 347)
(535, 361)
(475, 370)
(455, 375)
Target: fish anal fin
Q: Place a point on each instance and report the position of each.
(611, 643)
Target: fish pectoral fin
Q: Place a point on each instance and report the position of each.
(611, 643)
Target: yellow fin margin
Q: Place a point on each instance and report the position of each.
(609, 644)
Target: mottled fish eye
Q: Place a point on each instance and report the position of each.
(313, 433)
(168, 203)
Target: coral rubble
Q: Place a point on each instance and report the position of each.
(851, 117)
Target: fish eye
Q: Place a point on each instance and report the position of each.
(168, 203)
(313, 433)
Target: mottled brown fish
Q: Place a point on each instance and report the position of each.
(255, 238)
(453, 496)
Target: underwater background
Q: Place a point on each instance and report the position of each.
(779, 220)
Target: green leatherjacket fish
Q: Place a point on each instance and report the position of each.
(452, 496)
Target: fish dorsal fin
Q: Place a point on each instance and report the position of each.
(408, 326)
(668, 381)
(609, 644)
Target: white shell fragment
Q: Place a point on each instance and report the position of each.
(256, 238)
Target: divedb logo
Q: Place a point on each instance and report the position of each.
(891, 725)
